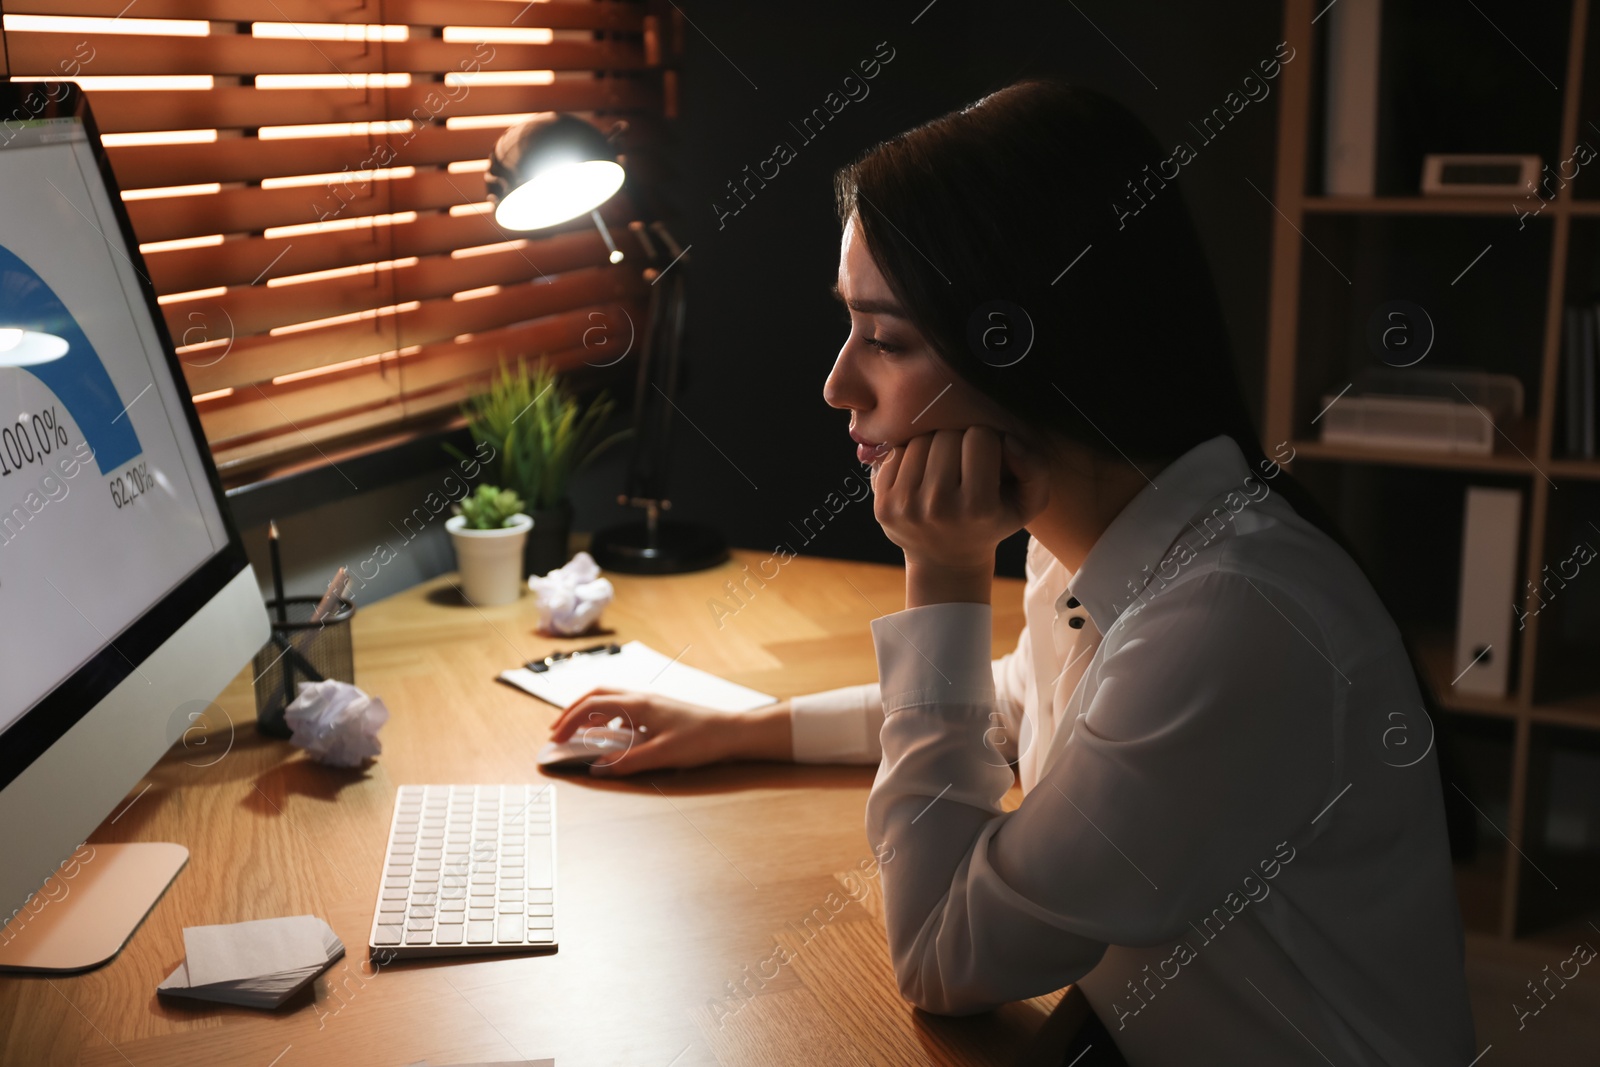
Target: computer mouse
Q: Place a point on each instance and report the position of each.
(592, 744)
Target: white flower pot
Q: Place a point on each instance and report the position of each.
(490, 561)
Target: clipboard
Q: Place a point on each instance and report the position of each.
(635, 666)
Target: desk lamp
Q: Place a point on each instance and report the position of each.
(24, 348)
(556, 167)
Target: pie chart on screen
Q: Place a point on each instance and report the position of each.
(39, 336)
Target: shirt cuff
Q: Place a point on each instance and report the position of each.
(832, 726)
(935, 654)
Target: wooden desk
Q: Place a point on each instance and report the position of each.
(676, 888)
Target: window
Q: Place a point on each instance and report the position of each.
(305, 180)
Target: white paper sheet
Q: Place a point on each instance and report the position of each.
(638, 667)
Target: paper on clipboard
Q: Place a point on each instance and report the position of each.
(638, 667)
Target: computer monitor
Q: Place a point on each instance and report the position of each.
(126, 595)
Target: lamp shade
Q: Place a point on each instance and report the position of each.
(24, 348)
(548, 170)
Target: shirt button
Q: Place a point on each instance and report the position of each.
(1076, 622)
(1072, 601)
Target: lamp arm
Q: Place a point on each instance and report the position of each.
(672, 356)
(656, 390)
(667, 239)
(605, 235)
(638, 453)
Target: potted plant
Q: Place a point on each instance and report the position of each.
(488, 534)
(542, 436)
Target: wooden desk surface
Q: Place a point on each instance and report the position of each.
(676, 888)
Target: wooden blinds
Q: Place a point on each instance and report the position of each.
(305, 178)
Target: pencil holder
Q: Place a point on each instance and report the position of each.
(300, 651)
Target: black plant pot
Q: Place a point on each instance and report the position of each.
(546, 547)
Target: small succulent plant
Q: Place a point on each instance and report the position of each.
(490, 508)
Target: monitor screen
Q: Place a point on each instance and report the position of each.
(109, 503)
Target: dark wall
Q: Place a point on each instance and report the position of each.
(756, 450)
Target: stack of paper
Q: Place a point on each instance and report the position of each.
(639, 667)
(258, 964)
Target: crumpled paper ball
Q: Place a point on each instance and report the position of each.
(571, 598)
(335, 722)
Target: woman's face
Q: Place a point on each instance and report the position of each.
(886, 375)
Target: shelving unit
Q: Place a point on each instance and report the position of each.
(1313, 346)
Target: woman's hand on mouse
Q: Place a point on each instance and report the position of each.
(948, 497)
(667, 732)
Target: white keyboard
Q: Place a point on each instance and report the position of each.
(469, 870)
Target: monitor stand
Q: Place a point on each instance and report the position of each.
(78, 923)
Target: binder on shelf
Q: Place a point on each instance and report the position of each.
(1350, 147)
(1488, 590)
(1571, 400)
(1586, 383)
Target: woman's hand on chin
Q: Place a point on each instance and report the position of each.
(948, 497)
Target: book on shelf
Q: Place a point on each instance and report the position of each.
(1586, 384)
(1580, 378)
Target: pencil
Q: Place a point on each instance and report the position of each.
(277, 570)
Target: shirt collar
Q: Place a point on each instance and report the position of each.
(1139, 537)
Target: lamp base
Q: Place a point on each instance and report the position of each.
(671, 548)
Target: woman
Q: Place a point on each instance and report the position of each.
(1214, 842)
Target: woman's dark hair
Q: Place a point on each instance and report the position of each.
(1037, 222)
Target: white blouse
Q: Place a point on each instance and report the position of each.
(1232, 832)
